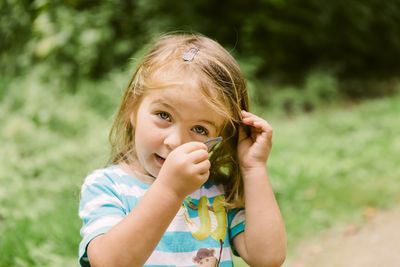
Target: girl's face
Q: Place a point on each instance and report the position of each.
(167, 118)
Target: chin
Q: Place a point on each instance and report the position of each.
(152, 173)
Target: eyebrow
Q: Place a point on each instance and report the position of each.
(210, 123)
(162, 103)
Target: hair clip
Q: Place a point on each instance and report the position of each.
(190, 53)
(212, 142)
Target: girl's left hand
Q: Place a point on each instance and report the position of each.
(253, 150)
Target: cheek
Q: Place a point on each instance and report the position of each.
(143, 139)
(147, 135)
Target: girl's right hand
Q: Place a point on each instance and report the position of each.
(185, 169)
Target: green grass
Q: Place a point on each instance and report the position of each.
(328, 166)
(325, 167)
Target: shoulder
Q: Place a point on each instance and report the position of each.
(104, 175)
(112, 180)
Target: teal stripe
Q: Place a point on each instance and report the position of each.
(185, 242)
(105, 187)
(174, 242)
(221, 264)
(102, 212)
(83, 244)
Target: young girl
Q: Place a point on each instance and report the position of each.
(168, 199)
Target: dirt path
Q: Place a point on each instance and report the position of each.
(376, 244)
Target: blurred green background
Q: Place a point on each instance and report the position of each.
(325, 74)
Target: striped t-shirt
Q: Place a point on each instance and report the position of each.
(195, 236)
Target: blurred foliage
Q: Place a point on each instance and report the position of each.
(330, 165)
(325, 167)
(319, 89)
(50, 141)
(283, 40)
(64, 65)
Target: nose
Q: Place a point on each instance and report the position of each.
(174, 139)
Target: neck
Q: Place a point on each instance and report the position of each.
(132, 171)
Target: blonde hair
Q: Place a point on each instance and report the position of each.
(216, 74)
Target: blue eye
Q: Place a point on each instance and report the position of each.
(200, 130)
(164, 116)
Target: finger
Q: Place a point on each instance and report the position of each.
(255, 121)
(260, 127)
(242, 134)
(246, 114)
(250, 118)
(202, 167)
(192, 146)
(263, 125)
(204, 176)
(198, 156)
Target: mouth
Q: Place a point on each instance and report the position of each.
(160, 159)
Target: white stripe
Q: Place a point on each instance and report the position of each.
(123, 189)
(118, 171)
(183, 258)
(239, 217)
(100, 223)
(178, 224)
(98, 202)
(91, 179)
(213, 191)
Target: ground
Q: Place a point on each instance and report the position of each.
(375, 244)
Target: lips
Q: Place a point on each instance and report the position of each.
(160, 159)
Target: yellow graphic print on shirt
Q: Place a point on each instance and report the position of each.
(213, 220)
